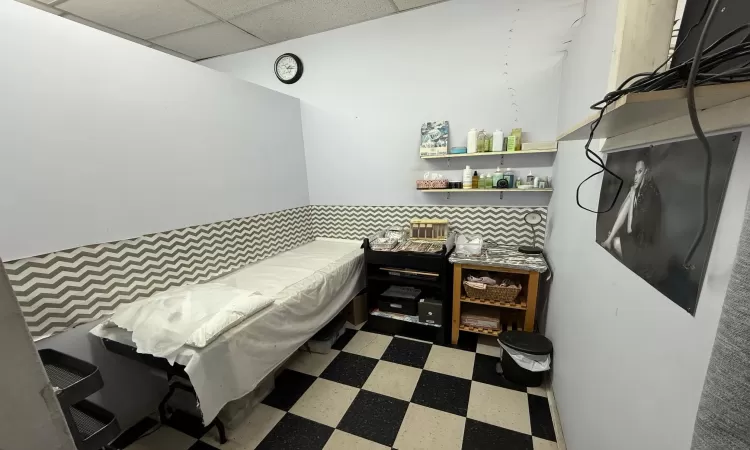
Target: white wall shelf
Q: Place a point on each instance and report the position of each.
(637, 111)
(469, 191)
(502, 192)
(471, 155)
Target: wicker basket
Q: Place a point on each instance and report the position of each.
(493, 293)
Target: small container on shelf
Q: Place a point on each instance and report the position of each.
(429, 229)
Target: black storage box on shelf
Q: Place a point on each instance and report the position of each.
(430, 311)
(400, 299)
(398, 305)
(526, 342)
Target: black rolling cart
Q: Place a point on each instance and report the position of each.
(91, 426)
(393, 279)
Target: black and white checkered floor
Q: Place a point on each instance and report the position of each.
(377, 391)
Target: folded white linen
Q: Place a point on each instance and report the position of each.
(194, 315)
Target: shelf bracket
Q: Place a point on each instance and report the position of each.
(448, 196)
(502, 159)
(501, 195)
(448, 160)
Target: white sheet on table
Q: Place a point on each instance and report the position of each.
(194, 315)
(234, 364)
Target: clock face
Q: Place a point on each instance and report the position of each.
(288, 68)
(533, 218)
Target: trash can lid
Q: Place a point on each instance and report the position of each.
(527, 342)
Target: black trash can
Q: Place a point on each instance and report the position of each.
(526, 342)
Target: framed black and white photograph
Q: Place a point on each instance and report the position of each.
(657, 215)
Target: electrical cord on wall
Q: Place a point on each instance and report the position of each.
(696, 71)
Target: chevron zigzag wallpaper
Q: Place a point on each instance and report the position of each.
(67, 288)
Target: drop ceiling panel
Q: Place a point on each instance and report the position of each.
(297, 18)
(227, 9)
(409, 4)
(91, 24)
(209, 40)
(41, 6)
(145, 19)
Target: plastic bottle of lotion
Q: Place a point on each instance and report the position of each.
(467, 178)
(497, 141)
(471, 141)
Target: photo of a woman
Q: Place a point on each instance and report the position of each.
(656, 216)
(635, 233)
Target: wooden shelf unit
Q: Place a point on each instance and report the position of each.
(645, 109)
(479, 301)
(527, 308)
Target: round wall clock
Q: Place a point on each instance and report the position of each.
(288, 68)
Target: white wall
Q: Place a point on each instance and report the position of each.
(368, 88)
(629, 364)
(30, 416)
(102, 139)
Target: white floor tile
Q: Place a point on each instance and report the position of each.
(311, 363)
(393, 380)
(543, 444)
(499, 406)
(325, 402)
(540, 391)
(450, 361)
(487, 345)
(368, 344)
(430, 429)
(341, 440)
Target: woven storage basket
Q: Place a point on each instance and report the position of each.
(494, 293)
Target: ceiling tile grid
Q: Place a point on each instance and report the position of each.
(227, 9)
(403, 5)
(296, 18)
(214, 39)
(199, 29)
(145, 19)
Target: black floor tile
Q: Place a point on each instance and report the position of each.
(407, 352)
(200, 445)
(296, 433)
(186, 423)
(349, 369)
(485, 372)
(541, 418)
(290, 385)
(466, 341)
(482, 436)
(130, 435)
(344, 339)
(443, 392)
(375, 417)
(369, 326)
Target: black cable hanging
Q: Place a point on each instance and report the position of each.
(697, 71)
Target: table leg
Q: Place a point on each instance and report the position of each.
(456, 303)
(531, 295)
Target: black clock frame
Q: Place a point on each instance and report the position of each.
(299, 65)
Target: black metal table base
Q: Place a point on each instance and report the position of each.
(164, 416)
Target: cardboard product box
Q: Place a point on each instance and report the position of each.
(357, 310)
(431, 311)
